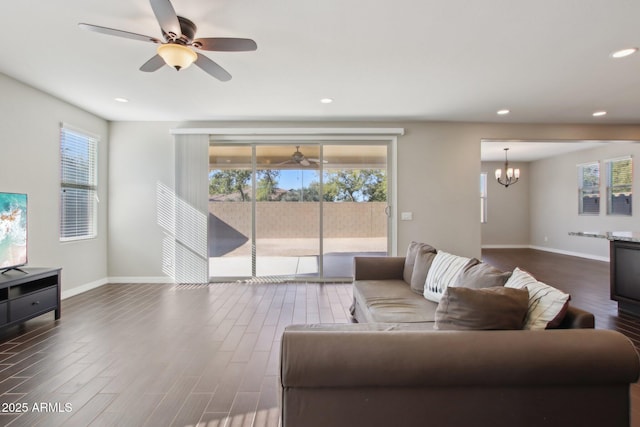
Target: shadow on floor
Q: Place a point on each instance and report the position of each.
(223, 238)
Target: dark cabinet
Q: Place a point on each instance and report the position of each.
(27, 295)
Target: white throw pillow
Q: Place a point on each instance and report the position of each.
(444, 271)
(545, 302)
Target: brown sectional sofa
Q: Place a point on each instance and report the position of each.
(381, 295)
(393, 369)
(353, 376)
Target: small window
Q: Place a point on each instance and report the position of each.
(619, 186)
(78, 184)
(483, 198)
(589, 188)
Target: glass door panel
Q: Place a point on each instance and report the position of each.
(296, 211)
(230, 211)
(355, 220)
(287, 210)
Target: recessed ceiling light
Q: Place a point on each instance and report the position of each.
(326, 100)
(599, 113)
(503, 112)
(624, 52)
(123, 100)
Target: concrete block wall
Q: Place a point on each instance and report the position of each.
(302, 219)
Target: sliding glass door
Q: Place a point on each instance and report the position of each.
(287, 211)
(230, 228)
(355, 207)
(297, 210)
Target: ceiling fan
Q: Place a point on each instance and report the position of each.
(176, 46)
(298, 158)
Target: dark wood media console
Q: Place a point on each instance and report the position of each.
(27, 295)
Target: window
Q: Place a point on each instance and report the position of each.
(589, 188)
(78, 184)
(619, 191)
(483, 198)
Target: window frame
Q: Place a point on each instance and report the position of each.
(80, 179)
(483, 197)
(610, 186)
(588, 190)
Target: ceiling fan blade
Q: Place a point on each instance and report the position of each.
(118, 33)
(155, 63)
(212, 68)
(305, 162)
(225, 44)
(166, 16)
(318, 161)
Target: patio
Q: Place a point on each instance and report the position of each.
(296, 257)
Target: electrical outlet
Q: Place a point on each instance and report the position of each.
(406, 216)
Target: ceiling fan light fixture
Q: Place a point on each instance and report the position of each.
(622, 53)
(176, 55)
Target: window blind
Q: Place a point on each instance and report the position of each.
(78, 185)
(619, 186)
(589, 188)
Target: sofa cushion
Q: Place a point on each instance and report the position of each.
(444, 272)
(412, 251)
(424, 259)
(481, 275)
(482, 309)
(547, 305)
(392, 301)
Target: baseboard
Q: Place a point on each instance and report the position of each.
(83, 288)
(570, 253)
(117, 280)
(136, 279)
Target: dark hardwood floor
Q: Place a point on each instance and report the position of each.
(205, 355)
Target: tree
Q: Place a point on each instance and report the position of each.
(356, 185)
(309, 194)
(229, 181)
(621, 176)
(348, 184)
(375, 188)
(267, 184)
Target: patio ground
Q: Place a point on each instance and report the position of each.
(296, 257)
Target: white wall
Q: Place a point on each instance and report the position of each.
(141, 164)
(554, 201)
(29, 149)
(507, 208)
(438, 169)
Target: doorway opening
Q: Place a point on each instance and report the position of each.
(297, 210)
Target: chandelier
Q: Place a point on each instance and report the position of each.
(511, 175)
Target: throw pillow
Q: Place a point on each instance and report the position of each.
(443, 272)
(481, 275)
(482, 309)
(547, 305)
(423, 262)
(410, 259)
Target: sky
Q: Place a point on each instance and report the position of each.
(297, 178)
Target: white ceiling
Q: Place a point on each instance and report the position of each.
(454, 60)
